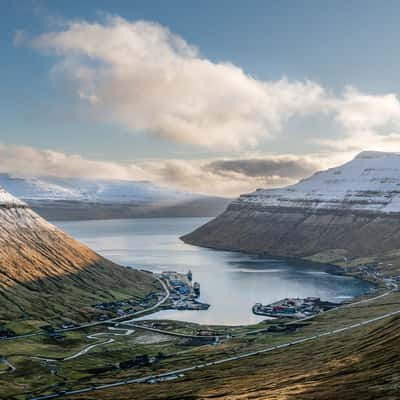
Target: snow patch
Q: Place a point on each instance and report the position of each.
(6, 199)
(371, 182)
(88, 190)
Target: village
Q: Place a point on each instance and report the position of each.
(183, 293)
(125, 307)
(294, 307)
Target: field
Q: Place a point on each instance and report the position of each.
(297, 371)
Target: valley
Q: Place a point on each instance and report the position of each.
(199, 200)
(90, 356)
(128, 342)
(241, 349)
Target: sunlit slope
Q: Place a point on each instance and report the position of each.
(45, 273)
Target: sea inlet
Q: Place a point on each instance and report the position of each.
(231, 282)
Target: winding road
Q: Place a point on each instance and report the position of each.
(91, 324)
(177, 372)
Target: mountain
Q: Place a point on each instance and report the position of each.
(72, 198)
(350, 211)
(38, 189)
(45, 275)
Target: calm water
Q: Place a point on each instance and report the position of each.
(231, 282)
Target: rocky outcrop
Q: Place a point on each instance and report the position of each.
(352, 211)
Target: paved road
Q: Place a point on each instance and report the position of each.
(91, 324)
(164, 332)
(116, 319)
(221, 361)
(95, 336)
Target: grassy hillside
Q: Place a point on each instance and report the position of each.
(361, 364)
(47, 275)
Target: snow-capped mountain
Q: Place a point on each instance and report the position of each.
(76, 199)
(349, 211)
(370, 182)
(88, 190)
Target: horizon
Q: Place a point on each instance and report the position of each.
(28, 177)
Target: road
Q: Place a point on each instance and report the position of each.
(207, 365)
(91, 324)
(164, 332)
(134, 314)
(95, 336)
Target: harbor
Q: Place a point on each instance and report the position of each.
(294, 307)
(183, 292)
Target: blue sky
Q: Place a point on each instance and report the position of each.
(335, 45)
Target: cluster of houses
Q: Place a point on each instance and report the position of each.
(293, 307)
(126, 307)
(119, 308)
(183, 293)
(370, 271)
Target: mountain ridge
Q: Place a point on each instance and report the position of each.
(85, 199)
(369, 182)
(349, 211)
(48, 188)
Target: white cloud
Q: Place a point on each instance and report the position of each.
(228, 177)
(359, 111)
(27, 161)
(365, 122)
(144, 77)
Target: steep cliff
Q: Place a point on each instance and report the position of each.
(349, 211)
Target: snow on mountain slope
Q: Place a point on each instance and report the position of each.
(370, 182)
(349, 211)
(6, 199)
(87, 190)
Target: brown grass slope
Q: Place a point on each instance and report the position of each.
(363, 364)
(46, 274)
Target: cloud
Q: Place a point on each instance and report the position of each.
(365, 122)
(23, 161)
(148, 79)
(215, 177)
(283, 166)
(358, 111)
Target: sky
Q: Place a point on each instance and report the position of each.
(213, 97)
